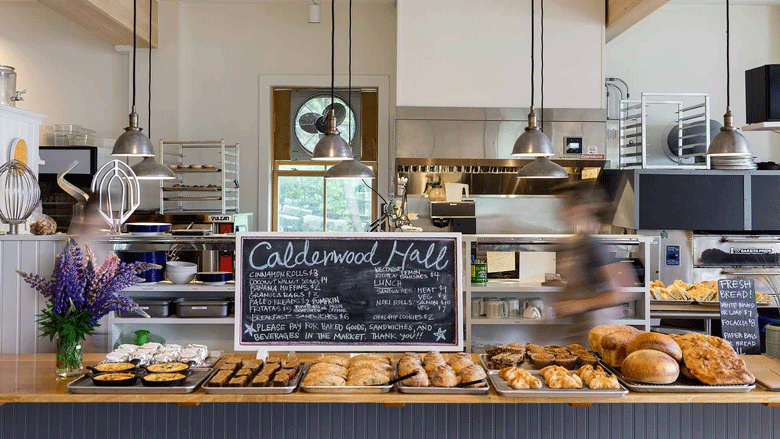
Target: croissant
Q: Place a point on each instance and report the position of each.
(509, 373)
(588, 372)
(546, 371)
(603, 382)
(525, 381)
(563, 381)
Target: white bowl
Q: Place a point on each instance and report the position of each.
(180, 278)
(178, 265)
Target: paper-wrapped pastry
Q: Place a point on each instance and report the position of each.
(165, 357)
(128, 347)
(152, 346)
(117, 357)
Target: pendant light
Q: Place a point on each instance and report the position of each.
(532, 142)
(148, 168)
(332, 146)
(729, 141)
(133, 143)
(542, 167)
(350, 169)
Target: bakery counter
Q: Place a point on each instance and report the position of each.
(29, 378)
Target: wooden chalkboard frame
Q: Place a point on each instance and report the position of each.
(458, 306)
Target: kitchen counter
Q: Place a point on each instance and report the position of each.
(29, 378)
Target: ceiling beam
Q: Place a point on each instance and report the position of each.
(622, 14)
(112, 20)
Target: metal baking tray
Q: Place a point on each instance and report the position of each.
(256, 390)
(84, 384)
(191, 189)
(682, 385)
(670, 302)
(503, 389)
(443, 390)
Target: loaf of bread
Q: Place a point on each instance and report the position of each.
(656, 342)
(649, 366)
(597, 333)
(614, 344)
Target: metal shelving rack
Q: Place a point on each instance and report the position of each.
(549, 330)
(172, 153)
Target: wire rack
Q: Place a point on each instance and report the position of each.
(633, 131)
(200, 187)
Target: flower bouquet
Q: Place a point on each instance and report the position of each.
(79, 294)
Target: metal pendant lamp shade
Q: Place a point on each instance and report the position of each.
(543, 167)
(332, 146)
(350, 169)
(149, 169)
(533, 142)
(133, 142)
(729, 141)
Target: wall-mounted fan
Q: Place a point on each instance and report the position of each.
(309, 121)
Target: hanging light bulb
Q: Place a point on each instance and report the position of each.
(133, 143)
(148, 168)
(532, 142)
(332, 146)
(729, 141)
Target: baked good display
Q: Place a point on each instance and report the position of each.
(614, 344)
(557, 377)
(650, 366)
(360, 370)
(254, 373)
(519, 379)
(167, 367)
(514, 355)
(657, 342)
(706, 291)
(434, 370)
(114, 367)
(713, 361)
(154, 353)
(540, 361)
(566, 360)
(443, 376)
(597, 378)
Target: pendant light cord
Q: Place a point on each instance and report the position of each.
(349, 83)
(149, 123)
(728, 57)
(532, 52)
(332, 56)
(135, 19)
(541, 43)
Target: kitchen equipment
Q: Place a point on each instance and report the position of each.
(214, 278)
(153, 307)
(762, 94)
(65, 200)
(496, 309)
(118, 192)
(455, 191)
(435, 192)
(201, 308)
(8, 93)
(148, 229)
(514, 307)
(20, 194)
(534, 302)
(477, 308)
(459, 216)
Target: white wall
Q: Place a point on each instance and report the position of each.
(681, 48)
(465, 53)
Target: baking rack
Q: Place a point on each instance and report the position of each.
(183, 194)
(633, 129)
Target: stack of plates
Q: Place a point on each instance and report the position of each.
(733, 162)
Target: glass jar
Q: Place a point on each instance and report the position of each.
(68, 358)
(8, 94)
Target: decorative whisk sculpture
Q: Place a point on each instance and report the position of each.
(118, 192)
(20, 194)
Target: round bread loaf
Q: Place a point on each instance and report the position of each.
(597, 333)
(613, 345)
(649, 366)
(657, 342)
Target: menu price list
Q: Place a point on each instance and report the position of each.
(739, 315)
(315, 291)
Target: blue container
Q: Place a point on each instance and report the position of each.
(151, 276)
(214, 277)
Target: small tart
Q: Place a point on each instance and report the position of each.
(114, 367)
(113, 377)
(167, 367)
(159, 377)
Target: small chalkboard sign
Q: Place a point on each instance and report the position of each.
(738, 314)
(348, 292)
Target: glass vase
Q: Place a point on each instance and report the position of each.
(68, 358)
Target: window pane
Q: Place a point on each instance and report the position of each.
(349, 206)
(300, 204)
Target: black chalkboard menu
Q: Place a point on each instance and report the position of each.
(738, 314)
(348, 292)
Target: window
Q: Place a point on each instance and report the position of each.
(304, 201)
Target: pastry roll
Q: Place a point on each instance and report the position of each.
(321, 379)
(368, 378)
(329, 368)
(333, 359)
(443, 376)
(473, 373)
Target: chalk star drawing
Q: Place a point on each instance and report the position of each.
(440, 334)
(250, 329)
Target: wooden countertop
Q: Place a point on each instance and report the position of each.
(31, 378)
